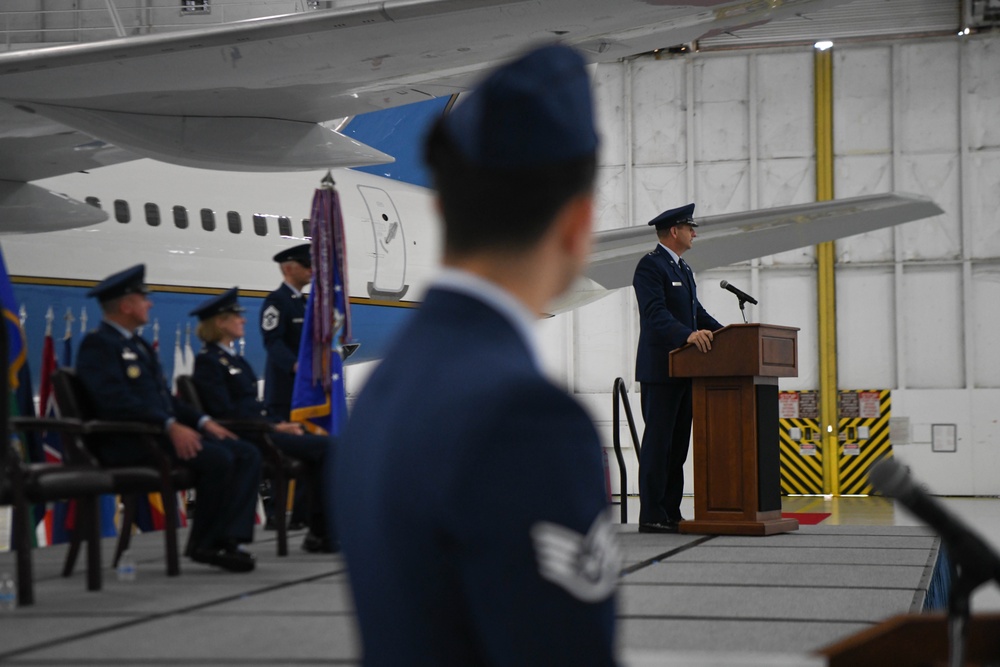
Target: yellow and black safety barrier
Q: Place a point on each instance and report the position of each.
(863, 436)
(862, 440)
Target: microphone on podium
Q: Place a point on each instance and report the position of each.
(743, 296)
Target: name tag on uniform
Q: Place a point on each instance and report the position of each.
(235, 371)
(676, 284)
(298, 320)
(129, 355)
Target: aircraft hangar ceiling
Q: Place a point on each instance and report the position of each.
(855, 20)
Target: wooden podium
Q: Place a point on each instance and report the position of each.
(737, 477)
(916, 640)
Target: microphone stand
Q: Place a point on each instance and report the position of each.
(966, 578)
(743, 312)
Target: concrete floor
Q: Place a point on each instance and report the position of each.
(770, 600)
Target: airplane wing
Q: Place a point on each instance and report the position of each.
(253, 95)
(726, 239)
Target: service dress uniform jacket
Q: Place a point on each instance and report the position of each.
(125, 382)
(281, 319)
(669, 312)
(227, 387)
(471, 503)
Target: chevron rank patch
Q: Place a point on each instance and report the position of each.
(586, 566)
(269, 318)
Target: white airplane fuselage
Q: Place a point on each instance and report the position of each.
(393, 245)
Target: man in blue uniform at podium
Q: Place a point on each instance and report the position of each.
(670, 316)
(470, 490)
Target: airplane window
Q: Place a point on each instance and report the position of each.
(152, 214)
(181, 217)
(259, 225)
(122, 213)
(284, 226)
(93, 201)
(305, 228)
(235, 224)
(208, 219)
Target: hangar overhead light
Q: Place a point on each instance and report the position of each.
(823, 45)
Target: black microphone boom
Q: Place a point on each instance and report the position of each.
(743, 296)
(978, 559)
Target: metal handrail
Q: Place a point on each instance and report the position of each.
(619, 391)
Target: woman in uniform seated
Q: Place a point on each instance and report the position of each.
(227, 387)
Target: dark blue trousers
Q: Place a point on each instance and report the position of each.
(227, 475)
(312, 450)
(666, 409)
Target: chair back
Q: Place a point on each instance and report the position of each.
(74, 403)
(71, 396)
(187, 391)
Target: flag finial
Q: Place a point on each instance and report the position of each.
(327, 182)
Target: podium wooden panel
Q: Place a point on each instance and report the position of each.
(737, 484)
(916, 640)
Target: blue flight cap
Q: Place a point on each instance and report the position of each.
(298, 253)
(221, 303)
(532, 112)
(682, 215)
(129, 281)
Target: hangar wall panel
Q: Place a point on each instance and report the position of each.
(721, 109)
(654, 185)
(935, 175)
(983, 184)
(854, 176)
(862, 87)
(781, 80)
(659, 112)
(933, 335)
(986, 328)
(982, 93)
(866, 328)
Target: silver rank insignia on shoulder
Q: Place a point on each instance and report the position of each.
(269, 318)
(133, 371)
(586, 566)
(235, 371)
(223, 361)
(129, 355)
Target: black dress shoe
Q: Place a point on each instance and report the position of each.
(231, 559)
(315, 544)
(665, 527)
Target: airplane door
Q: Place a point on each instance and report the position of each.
(390, 245)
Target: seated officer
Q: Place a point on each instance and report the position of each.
(123, 377)
(227, 386)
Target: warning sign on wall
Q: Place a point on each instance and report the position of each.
(788, 405)
(869, 404)
(808, 405)
(847, 404)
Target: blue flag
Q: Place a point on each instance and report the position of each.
(319, 400)
(17, 349)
